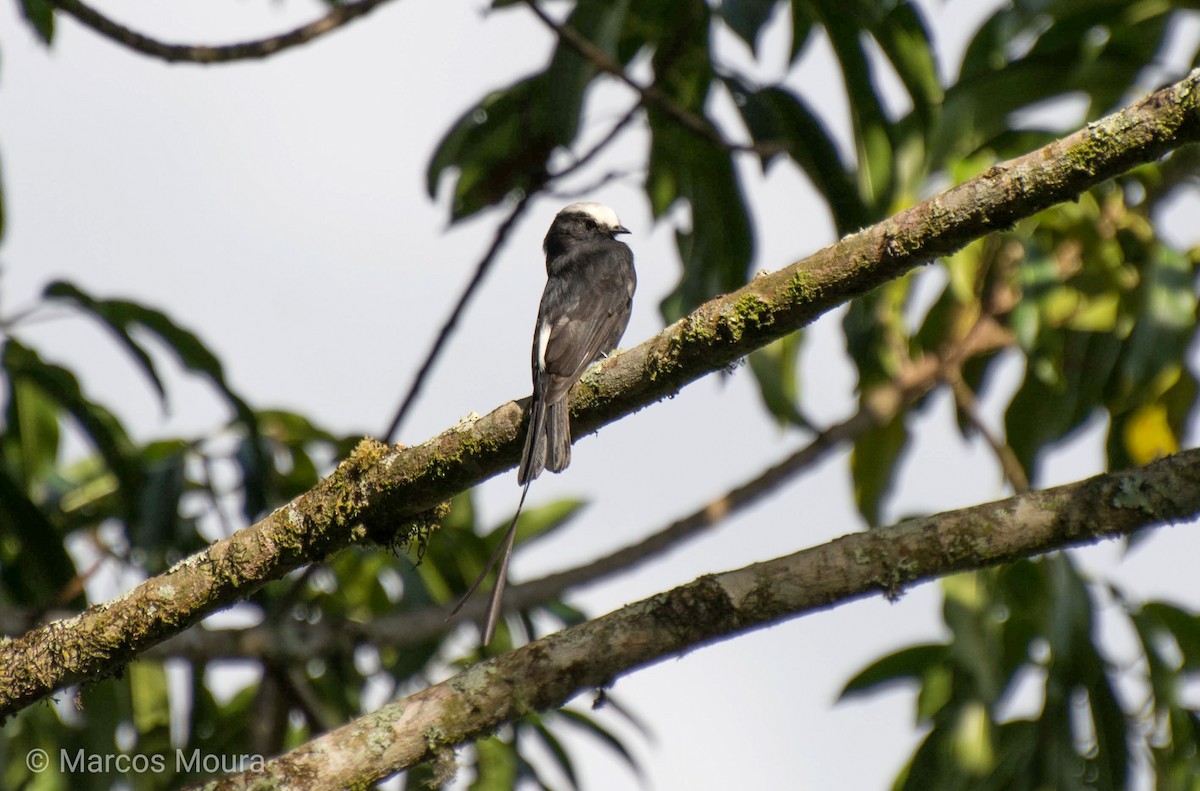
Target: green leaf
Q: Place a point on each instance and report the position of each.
(564, 613)
(159, 531)
(874, 463)
(40, 16)
(775, 368)
(30, 441)
(406, 662)
(1070, 622)
(495, 766)
(1064, 383)
(979, 666)
(906, 665)
(258, 478)
(873, 133)
(570, 73)
(904, 38)
(1164, 305)
(1022, 590)
(1111, 756)
(99, 425)
(682, 61)
(1024, 55)
(292, 428)
(34, 564)
(802, 26)
(539, 521)
(151, 708)
(688, 167)
(502, 145)
(1106, 47)
(746, 18)
(937, 693)
(590, 726)
(1183, 626)
(292, 440)
(716, 255)
(777, 117)
(119, 318)
(107, 706)
(877, 334)
(499, 146)
(974, 748)
(123, 317)
(1161, 673)
(557, 752)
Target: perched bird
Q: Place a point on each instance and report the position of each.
(585, 308)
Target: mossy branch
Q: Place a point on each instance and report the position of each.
(547, 673)
(378, 489)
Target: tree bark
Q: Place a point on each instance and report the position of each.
(547, 673)
(378, 488)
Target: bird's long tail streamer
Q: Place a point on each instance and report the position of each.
(502, 553)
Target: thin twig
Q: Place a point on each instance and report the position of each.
(649, 94)
(600, 145)
(593, 187)
(968, 404)
(193, 53)
(444, 333)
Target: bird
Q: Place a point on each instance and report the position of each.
(585, 308)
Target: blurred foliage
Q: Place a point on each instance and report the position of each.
(132, 509)
(1100, 306)
(1024, 637)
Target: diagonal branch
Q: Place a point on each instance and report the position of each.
(549, 672)
(377, 489)
(301, 640)
(883, 404)
(193, 53)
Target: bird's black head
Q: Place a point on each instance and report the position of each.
(581, 222)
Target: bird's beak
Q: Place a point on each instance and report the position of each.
(619, 230)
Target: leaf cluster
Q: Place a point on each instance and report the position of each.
(1100, 306)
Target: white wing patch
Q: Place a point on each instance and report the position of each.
(543, 340)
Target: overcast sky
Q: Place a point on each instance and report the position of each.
(278, 209)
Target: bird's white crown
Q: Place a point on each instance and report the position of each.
(603, 215)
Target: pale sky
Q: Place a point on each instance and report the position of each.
(278, 209)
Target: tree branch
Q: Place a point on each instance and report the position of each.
(376, 488)
(192, 53)
(649, 95)
(294, 641)
(545, 674)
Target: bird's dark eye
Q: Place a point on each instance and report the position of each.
(590, 224)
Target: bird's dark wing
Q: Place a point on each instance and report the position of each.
(585, 309)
